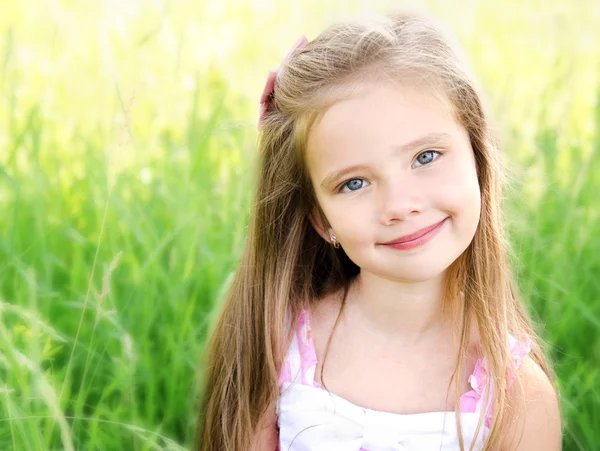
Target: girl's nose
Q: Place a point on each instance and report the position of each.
(399, 200)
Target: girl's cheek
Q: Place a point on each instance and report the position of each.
(348, 218)
(346, 215)
(459, 180)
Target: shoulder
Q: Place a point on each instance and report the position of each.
(534, 412)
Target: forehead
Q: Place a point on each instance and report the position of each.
(379, 116)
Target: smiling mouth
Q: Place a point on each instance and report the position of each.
(417, 238)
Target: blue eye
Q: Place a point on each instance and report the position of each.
(353, 185)
(427, 157)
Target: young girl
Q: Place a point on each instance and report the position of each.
(373, 308)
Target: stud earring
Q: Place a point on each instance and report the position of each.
(334, 242)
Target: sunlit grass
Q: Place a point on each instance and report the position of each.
(127, 147)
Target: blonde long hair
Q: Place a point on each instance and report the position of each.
(286, 265)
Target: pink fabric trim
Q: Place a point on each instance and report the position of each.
(308, 355)
(469, 400)
(478, 380)
(519, 350)
(285, 375)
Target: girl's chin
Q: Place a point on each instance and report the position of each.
(413, 275)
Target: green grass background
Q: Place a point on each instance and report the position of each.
(127, 145)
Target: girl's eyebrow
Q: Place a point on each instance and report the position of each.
(425, 140)
(331, 178)
(422, 141)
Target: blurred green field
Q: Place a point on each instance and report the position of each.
(127, 150)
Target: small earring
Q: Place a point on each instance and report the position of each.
(334, 242)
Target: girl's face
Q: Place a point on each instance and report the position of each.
(389, 162)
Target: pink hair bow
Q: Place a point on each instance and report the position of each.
(267, 93)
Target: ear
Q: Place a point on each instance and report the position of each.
(320, 224)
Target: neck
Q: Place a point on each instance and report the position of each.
(404, 312)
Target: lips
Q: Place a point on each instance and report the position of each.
(415, 235)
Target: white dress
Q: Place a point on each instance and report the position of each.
(312, 419)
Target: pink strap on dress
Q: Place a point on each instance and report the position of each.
(469, 401)
(301, 361)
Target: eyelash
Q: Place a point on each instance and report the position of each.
(343, 185)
